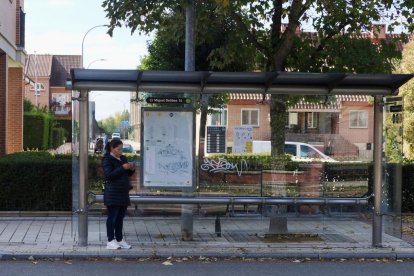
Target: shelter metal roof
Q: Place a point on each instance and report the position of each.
(205, 82)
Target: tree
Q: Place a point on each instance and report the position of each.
(407, 91)
(167, 53)
(110, 124)
(259, 27)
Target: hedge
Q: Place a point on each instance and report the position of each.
(67, 125)
(35, 182)
(40, 181)
(58, 137)
(36, 130)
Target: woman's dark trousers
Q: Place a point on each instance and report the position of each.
(115, 221)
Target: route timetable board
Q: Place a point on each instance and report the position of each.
(216, 139)
(167, 148)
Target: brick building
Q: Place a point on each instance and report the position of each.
(50, 72)
(344, 126)
(12, 60)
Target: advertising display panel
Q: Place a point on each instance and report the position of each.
(168, 147)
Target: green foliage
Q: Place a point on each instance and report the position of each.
(35, 181)
(36, 130)
(41, 181)
(58, 136)
(408, 188)
(255, 28)
(407, 91)
(163, 55)
(28, 106)
(394, 140)
(344, 53)
(256, 162)
(67, 125)
(110, 124)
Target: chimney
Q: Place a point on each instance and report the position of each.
(378, 31)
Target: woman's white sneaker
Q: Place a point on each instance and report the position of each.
(113, 245)
(124, 245)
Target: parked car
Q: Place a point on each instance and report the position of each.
(116, 135)
(299, 151)
(127, 148)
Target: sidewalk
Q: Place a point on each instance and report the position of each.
(55, 237)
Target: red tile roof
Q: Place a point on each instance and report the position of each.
(61, 68)
(57, 67)
(38, 65)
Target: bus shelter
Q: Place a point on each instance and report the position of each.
(196, 84)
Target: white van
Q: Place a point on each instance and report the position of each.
(116, 135)
(299, 151)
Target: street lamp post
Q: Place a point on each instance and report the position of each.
(92, 62)
(83, 40)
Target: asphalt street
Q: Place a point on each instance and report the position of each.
(206, 266)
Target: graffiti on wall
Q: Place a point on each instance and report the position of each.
(222, 165)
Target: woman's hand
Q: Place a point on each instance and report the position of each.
(128, 166)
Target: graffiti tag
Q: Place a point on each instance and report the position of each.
(222, 165)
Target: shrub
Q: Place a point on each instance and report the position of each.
(36, 130)
(67, 125)
(257, 162)
(35, 181)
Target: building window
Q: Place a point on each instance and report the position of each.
(312, 119)
(40, 87)
(250, 117)
(218, 117)
(358, 119)
(291, 119)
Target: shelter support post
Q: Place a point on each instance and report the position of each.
(378, 150)
(83, 168)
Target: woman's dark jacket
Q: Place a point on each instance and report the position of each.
(117, 184)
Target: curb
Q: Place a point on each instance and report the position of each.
(231, 255)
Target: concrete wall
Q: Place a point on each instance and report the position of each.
(8, 22)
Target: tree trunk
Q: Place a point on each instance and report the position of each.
(278, 117)
(202, 131)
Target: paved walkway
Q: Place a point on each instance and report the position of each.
(55, 237)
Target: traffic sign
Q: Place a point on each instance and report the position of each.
(393, 99)
(165, 100)
(396, 108)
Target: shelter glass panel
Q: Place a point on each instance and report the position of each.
(333, 159)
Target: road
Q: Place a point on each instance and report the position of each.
(206, 266)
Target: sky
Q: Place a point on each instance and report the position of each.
(59, 26)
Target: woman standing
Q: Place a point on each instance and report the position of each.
(117, 171)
